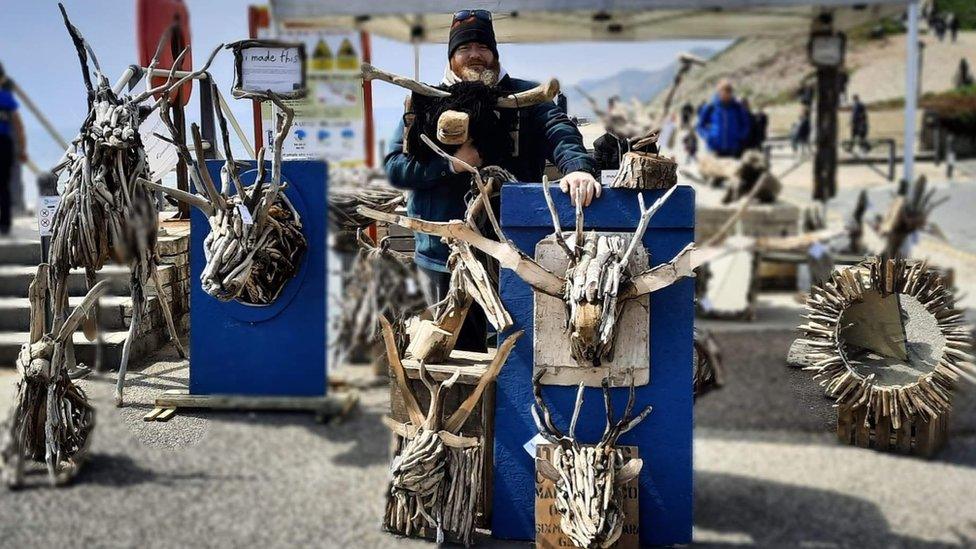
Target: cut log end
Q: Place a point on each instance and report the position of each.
(645, 171)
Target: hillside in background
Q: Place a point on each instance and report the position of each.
(630, 83)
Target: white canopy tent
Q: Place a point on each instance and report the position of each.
(526, 21)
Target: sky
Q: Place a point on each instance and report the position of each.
(36, 51)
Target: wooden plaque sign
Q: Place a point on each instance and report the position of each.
(549, 535)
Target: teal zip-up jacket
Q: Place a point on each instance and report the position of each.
(437, 194)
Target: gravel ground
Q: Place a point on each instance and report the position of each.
(768, 472)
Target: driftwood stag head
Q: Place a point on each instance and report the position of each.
(466, 110)
(587, 477)
(597, 282)
(255, 245)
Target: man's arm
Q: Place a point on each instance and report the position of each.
(564, 146)
(406, 172)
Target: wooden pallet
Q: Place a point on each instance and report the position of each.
(332, 406)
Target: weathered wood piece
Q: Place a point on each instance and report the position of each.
(639, 170)
(332, 405)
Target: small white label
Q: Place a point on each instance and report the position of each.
(533, 442)
(706, 304)
(245, 214)
(47, 206)
(816, 250)
(607, 177)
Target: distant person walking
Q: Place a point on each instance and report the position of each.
(723, 122)
(952, 22)
(12, 143)
(800, 134)
(963, 76)
(690, 142)
(859, 124)
(687, 111)
(759, 124)
(938, 24)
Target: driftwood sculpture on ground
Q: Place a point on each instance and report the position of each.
(907, 215)
(104, 214)
(381, 283)
(594, 286)
(885, 340)
(255, 245)
(587, 477)
(436, 473)
(52, 421)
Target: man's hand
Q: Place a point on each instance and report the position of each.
(582, 183)
(466, 153)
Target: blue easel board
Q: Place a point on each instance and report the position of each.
(664, 439)
(274, 350)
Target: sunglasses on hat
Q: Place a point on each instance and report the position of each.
(462, 15)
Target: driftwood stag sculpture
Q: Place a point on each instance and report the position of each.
(52, 421)
(104, 214)
(587, 476)
(436, 474)
(596, 283)
(255, 245)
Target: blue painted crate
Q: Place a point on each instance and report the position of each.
(279, 349)
(665, 437)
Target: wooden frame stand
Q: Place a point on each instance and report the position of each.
(921, 437)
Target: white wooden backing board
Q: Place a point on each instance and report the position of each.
(551, 348)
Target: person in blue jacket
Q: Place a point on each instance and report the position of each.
(724, 123)
(13, 147)
(438, 188)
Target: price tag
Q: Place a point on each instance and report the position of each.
(245, 214)
(47, 206)
(533, 442)
(607, 177)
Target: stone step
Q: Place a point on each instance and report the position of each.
(15, 279)
(145, 343)
(20, 252)
(114, 312)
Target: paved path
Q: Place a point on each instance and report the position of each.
(768, 472)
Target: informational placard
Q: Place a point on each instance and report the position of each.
(549, 534)
(329, 120)
(271, 68)
(47, 206)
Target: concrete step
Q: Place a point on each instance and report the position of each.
(20, 251)
(114, 312)
(146, 342)
(15, 279)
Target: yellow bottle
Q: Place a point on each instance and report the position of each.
(322, 59)
(347, 58)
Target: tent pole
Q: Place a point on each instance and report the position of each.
(911, 90)
(416, 61)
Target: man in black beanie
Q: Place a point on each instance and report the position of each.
(438, 188)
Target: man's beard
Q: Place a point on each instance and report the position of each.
(487, 76)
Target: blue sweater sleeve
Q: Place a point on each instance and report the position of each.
(704, 120)
(406, 172)
(564, 143)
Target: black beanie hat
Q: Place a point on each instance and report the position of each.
(472, 29)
